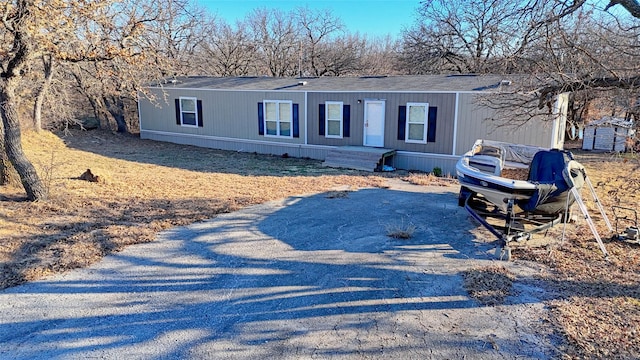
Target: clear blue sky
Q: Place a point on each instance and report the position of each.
(370, 17)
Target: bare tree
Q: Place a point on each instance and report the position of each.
(47, 66)
(17, 18)
(564, 47)
(477, 37)
(176, 31)
(317, 29)
(590, 51)
(228, 51)
(343, 56)
(70, 31)
(276, 42)
(380, 56)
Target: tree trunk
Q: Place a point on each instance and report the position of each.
(12, 142)
(4, 162)
(8, 175)
(96, 112)
(115, 106)
(47, 64)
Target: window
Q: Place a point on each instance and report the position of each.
(188, 111)
(278, 118)
(333, 119)
(416, 131)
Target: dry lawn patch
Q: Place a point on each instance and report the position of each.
(144, 187)
(597, 303)
(489, 285)
(429, 179)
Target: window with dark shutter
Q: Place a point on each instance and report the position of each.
(321, 119)
(334, 111)
(278, 118)
(402, 121)
(199, 119)
(188, 112)
(260, 119)
(296, 121)
(431, 124)
(416, 125)
(346, 121)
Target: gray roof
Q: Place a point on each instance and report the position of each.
(444, 83)
(611, 121)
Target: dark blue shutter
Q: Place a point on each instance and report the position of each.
(346, 121)
(431, 124)
(321, 120)
(200, 123)
(260, 119)
(296, 121)
(402, 121)
(178, 122)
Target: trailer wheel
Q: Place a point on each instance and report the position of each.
(463, 195)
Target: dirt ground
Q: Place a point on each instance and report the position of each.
(144, 187)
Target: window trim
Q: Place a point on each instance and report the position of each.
(278, 120)
(425, 123)
(327, 119)
(195, 111)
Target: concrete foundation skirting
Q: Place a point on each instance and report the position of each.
(426, 162)
(404, 160)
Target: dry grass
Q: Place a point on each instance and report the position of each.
(489, 285)
(400, 230)
(144, 187)
(429, 179)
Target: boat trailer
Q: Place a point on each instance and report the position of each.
(518, 226)
(521, 225)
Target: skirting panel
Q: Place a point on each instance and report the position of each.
(293, 150)
(402, 159)
(426, 162)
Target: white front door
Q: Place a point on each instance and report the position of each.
(374, 123)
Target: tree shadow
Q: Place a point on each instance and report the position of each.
(306, 276)
(188, 157)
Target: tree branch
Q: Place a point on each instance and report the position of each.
(632, 6)
(548, 92)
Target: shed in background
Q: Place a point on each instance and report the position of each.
(608, 133)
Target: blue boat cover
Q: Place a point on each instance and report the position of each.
(546, 170)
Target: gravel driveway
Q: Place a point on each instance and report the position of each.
(305, 277)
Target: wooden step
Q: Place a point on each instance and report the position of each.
(357, 158)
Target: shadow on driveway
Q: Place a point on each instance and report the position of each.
(303, 277)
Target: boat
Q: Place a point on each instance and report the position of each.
(529, 188)
(549, 175)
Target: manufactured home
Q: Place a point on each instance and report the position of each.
(409, 122)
